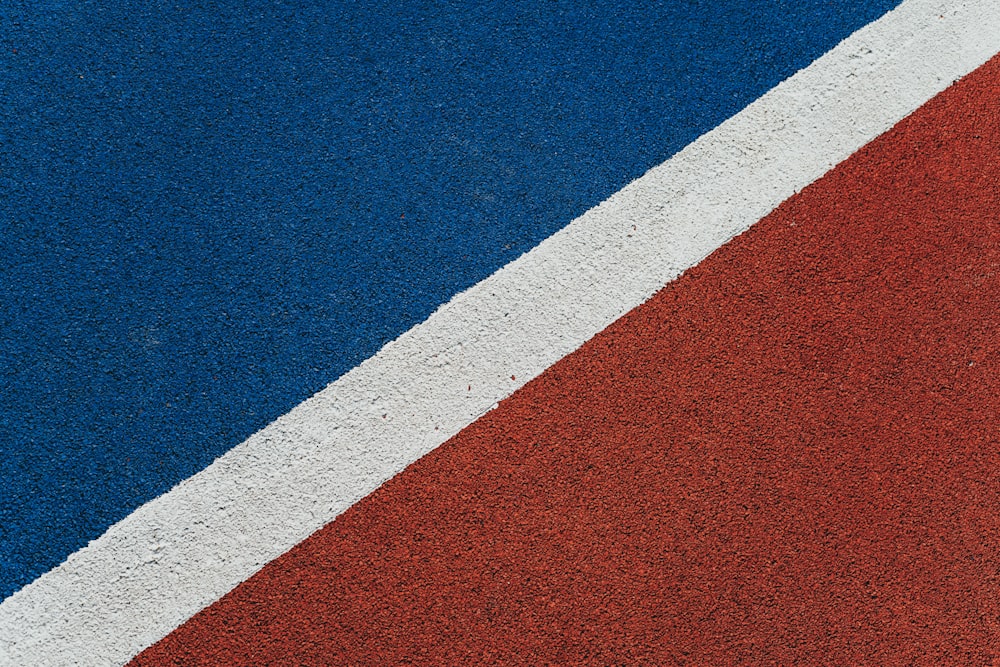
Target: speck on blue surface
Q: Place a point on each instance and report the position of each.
(209, 211)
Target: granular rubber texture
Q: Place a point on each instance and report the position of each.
(788, 456)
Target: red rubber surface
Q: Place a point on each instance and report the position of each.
(791, 455)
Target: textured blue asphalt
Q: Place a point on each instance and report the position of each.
(210, 210)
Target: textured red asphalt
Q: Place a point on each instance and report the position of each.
(791, 455)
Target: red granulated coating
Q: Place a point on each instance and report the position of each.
(791, 455)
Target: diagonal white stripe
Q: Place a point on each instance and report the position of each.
(179, 553)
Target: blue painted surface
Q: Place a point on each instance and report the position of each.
(209, 211)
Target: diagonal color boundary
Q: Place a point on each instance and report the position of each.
(177, 554)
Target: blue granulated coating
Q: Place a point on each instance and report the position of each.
(209, 211)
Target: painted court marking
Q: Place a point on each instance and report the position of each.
(179, 553)
(787, 456)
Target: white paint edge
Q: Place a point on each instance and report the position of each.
(179, 553)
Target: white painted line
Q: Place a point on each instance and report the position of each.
(179, 553)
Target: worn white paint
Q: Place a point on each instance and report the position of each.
(179, 553)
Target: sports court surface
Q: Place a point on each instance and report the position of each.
(507, 333)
